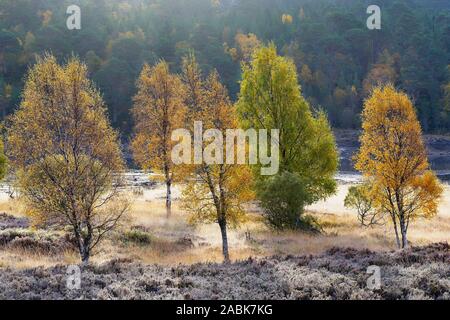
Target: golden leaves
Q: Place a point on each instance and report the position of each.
(158, 110)
(212, 190)
(66, 154)
(246, 44)
(286, 19)
(393, 157)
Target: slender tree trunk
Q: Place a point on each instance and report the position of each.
(85, 254)
(397, 237)
(169, 199)
(169, 190)
(85, 257)
(80, 243)
(83, 246)
(404, 236)
(223, 230)
(404, 239)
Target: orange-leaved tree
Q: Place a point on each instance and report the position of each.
(393, 160)
(66, 155)
(194, 97)
(215, 192)
(246, 44)
(158, 110)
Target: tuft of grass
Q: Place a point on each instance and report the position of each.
(136, 237)
(310, 224)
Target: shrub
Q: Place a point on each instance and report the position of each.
(11, 234)
(282, 199)
(358, 197)
(310, 224)
(137, 237)
(10, 222)
(36, 241)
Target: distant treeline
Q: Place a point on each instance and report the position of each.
(338, 58)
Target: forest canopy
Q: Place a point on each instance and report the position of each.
(338, 58)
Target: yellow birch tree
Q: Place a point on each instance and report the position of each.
(393, 160)
(215, 193)
(65, 153)
(158, 110)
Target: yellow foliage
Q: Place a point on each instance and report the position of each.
(393, 159)
(215, 192)
(158, 110)
(194, 97)
(46, 17)
(340, 96)
(380, 74)
(66, 154)
(246, 44)
(286, 19)
(306, 74)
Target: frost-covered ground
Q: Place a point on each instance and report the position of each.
(417, 273)
(300, 271)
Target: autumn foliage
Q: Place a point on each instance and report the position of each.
(65, 153)
(158, 110)
(394, 163)
(214, 193)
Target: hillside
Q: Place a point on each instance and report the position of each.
(337, 56)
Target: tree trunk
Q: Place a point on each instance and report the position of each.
(223, 230)
(85, 254)
(404, 239)
(85, 257)
(404, 236)
(169, 198)
(80, 243)
(397, 237)
(83, 246)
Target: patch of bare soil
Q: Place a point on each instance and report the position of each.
(415, 273)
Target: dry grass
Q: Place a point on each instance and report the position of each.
(166, 247)
(12, 207)
(24, 259)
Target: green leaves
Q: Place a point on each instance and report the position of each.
(270, 98)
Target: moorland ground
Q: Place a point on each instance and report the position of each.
(414, 273)
(151, 257)
(148, 236)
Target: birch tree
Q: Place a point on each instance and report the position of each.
(216, 193)
(158, 110)
(393, 160)
(66, 155)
